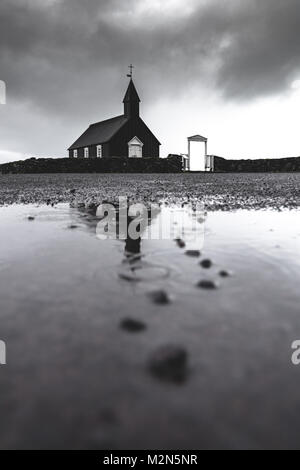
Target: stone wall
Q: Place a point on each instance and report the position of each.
(91, 165)
(280, 165)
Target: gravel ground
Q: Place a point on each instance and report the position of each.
(217, 191)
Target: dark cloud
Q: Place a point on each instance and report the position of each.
(263, 53)
(67, 59)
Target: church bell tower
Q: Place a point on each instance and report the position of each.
(131, 99)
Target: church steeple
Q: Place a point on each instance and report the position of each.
(131, 101)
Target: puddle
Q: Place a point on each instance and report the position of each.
(259, 249)
(64, 294)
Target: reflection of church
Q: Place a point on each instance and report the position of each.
(122, 136)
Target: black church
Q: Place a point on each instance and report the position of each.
(122, 136)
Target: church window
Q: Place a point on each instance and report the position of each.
(99, 151)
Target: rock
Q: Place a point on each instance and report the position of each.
(169, 363)
(159, 297)
(91, 207)
(193, 253)
(31, 217)
(207, 284)
(73, 226)
(131, 325)
(180, 242)
(206, 263)
(224, 273)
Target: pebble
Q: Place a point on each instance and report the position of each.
(180, 242)
(169, 363)
(160, 297)
(193, 253)
(133, 326)
(206, 263)
(224, 273)
(207, 284)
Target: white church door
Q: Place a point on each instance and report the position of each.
(135, 148)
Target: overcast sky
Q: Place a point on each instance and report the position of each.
(226, 69)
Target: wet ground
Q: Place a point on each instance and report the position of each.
(152, 344)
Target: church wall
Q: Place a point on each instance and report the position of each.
(92, 151)
(105, 151)
(134, 127)
(80, 153)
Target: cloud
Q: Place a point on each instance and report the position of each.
(248, 47)
(262, 55)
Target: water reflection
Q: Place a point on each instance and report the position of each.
(146, 222)
(157, 227)
(132, 246)
(136, 267)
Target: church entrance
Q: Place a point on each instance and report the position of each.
(135, 148)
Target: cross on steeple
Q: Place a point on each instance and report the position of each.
(131, 67)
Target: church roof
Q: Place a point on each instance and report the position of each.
(197, 138)
(100, 132)
(131, 93)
